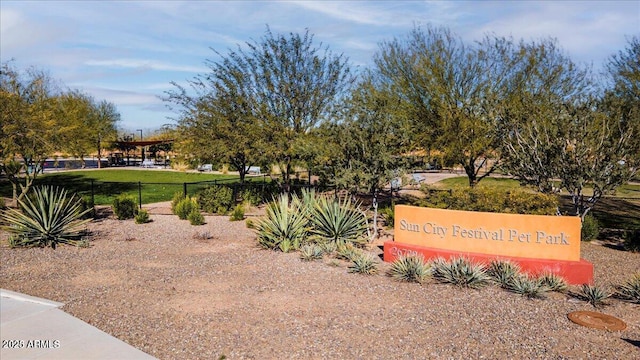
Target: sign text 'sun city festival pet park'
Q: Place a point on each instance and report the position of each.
(537, 243)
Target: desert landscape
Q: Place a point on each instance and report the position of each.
(178, 291)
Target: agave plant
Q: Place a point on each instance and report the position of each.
(410, 269)
(593, 294)
(284, 226)
(310, 252)
(553, 282)
(462, 272)
(527, 286)
(630, 290)
(47, 217)
(503, 272)
(365, 264)
(338, 221)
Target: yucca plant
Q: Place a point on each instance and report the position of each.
(553, 282)
(502, 272)
(310, 252)
(328, 247)
(461, 272)
(527, 286)
(338, 221)
(410, 269)
(47, 217)
(630, 290)
(284, 226)
(593, 294)
(364, 264)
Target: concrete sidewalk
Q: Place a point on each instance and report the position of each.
(34, 328)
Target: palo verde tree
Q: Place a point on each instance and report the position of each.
(280, 87)
(84, 124)
(29, 124)
(453, 92)
(370, 139)
(294, 85)
(535, 119)
(558, 127)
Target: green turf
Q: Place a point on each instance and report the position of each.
(155, 186)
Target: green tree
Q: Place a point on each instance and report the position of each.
(29, 124)
(452, 92)
(535, 118)
(370, 141)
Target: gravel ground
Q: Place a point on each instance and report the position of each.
(162, 289)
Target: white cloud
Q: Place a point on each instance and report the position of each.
(145, 64)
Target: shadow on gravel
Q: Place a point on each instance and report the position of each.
(635, 343)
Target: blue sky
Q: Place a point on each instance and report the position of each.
(128, 52)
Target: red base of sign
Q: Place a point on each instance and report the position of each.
(574, 272)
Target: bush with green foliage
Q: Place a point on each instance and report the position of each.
(142, 217)
(460, 271)
(86, 204)
(388, 214)
(185, 207)
(195, 217)
(217, 199)
(337, 221)
(364, 263)
(238, 213)
(347, 251)
(124, 207)
(410, 269)
(177, 197)
(47, 217)
(590, 228)
(284, 226)
(593, 294)
(632, 240)
(251, 195)
(514, 201)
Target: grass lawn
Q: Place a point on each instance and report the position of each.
(155, 186)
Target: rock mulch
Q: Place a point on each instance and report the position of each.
(178, 291)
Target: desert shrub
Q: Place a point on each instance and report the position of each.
(632, 240)
(337, 221)
(388, 215)
(250, 224)
(515, 201)
(553, 282)
(252, 195)
(177, 197)
(590, 228)
(527, 286)
(461, 272)
(630, 290)
(502, 272)
(47, 217)
(410, 269)
(284, 225)
(592, 294)
(87, 207)
(142, 217)
(238, 213)
(310, 252)
(216, 199)
(185, 207)
(195, 217)
(364, 263)
(124, 206)
(328, 247)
